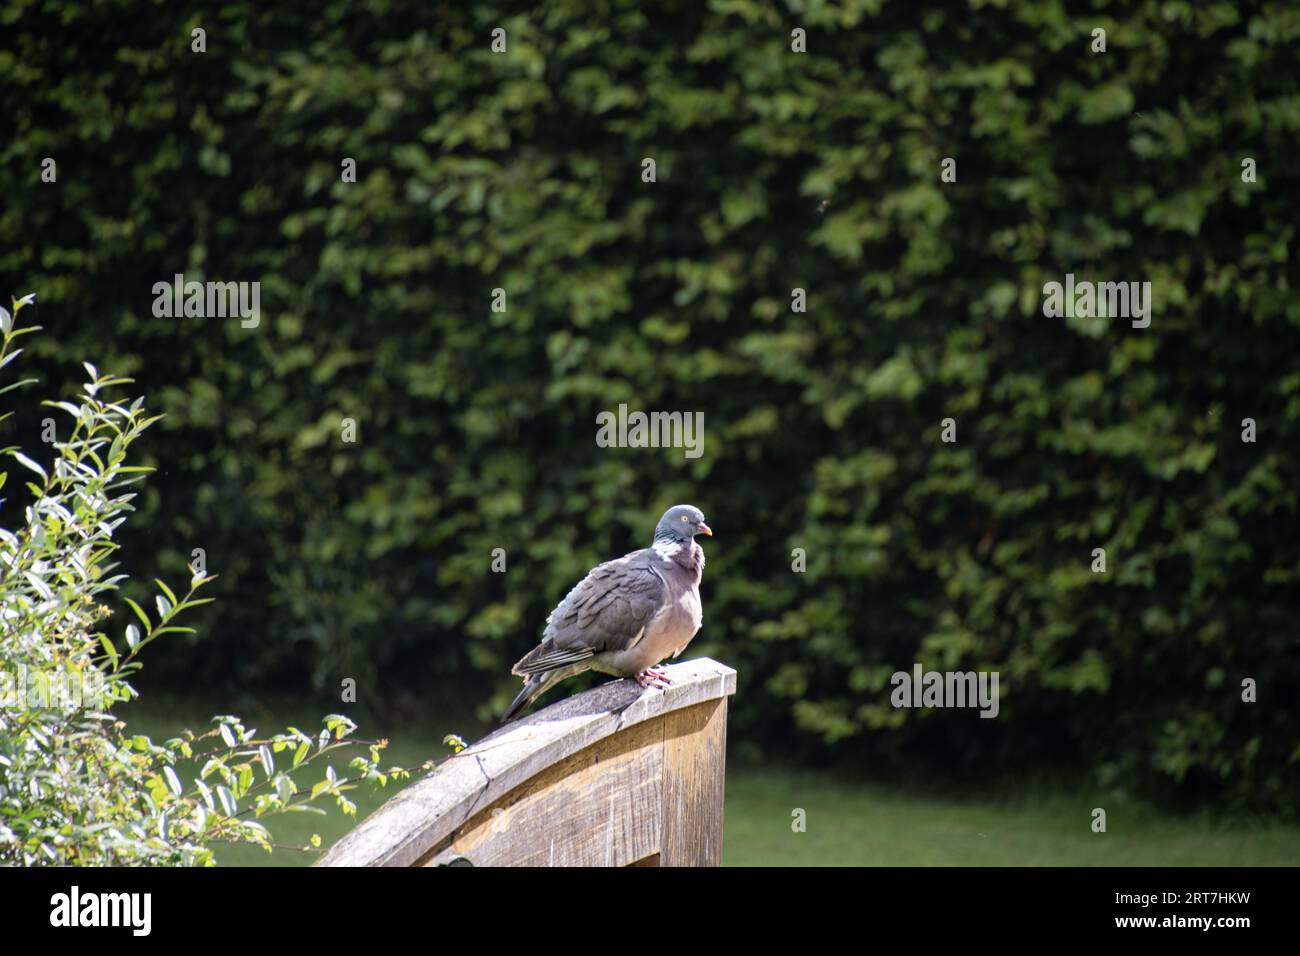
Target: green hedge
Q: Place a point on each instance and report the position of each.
(776, 170)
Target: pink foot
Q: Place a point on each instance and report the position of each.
(652, 678)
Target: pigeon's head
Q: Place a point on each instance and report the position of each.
(682, 523)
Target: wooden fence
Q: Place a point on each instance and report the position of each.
(614, 776)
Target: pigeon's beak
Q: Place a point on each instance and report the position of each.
(704, 529)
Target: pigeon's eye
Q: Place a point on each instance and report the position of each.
(684, 518)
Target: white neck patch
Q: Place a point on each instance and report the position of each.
(667, 549)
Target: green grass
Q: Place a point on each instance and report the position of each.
(848, 823)
(857, 824)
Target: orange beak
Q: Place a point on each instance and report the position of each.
(705, 529)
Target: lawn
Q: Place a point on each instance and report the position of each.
(857, 823)
(869, 824)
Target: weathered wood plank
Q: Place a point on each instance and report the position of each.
(599, 807)
(695, 748)
(422, 817)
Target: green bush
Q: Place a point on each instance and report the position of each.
(75, 786)
(776, 170)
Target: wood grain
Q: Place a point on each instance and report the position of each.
(599, 807)
(604, 760)
(695, 746)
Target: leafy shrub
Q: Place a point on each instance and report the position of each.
(75, 787)
(776, 170)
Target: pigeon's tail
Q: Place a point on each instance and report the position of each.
(532, 690)
(535, 685)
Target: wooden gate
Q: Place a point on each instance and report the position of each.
(615, 776)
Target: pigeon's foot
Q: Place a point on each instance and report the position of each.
(653, 678)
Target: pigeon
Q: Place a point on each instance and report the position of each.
(626, 615)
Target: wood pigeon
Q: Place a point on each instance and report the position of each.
(626, 615)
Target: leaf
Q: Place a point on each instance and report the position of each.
(173, 781)
(41, 587)
(284, 788)
(109, 649)
(10, 388)
(174, 629)
(132, 636)
(227, 800)
(24, 460)
(1105, 102)
(144, 618)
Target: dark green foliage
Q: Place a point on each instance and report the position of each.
(822, 431)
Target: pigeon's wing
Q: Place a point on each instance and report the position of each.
(607, 610)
